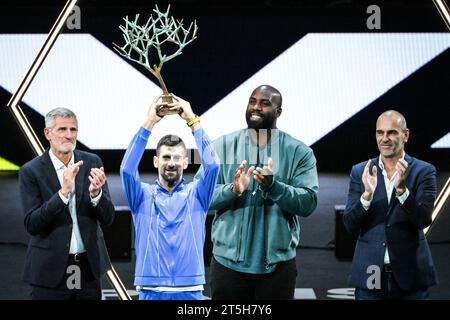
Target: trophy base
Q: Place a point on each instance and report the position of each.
(165, 109)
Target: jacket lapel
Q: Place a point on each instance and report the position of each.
(380, 191)
(49, 171)
(409, 159)
(79, 179)
(394, 201)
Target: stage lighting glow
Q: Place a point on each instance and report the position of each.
(6, 165)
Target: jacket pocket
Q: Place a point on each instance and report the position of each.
(226, 236)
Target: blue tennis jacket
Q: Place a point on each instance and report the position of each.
(170, 226)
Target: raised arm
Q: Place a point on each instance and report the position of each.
(419, 204)
(129, 174)
(102, 206)
(209, 170)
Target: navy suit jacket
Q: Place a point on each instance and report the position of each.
(399, 227)
(48, 221)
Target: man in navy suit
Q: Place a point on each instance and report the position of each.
(65, 200)
(390, 201)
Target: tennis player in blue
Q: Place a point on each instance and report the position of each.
(169, 215)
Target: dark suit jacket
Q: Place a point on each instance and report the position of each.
(395, 225)
(47, 220)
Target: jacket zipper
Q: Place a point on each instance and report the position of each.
(239, 239)
(157, 243)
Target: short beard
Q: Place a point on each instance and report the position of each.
(266, 123)
(171, 181)
(65, 150)
(392, 154)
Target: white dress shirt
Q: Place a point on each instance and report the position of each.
(76, 242)
(389, 185)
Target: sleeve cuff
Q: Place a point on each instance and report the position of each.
(365, 203)
(144, 133)
(96, 200)
(265, 192)
(198, 134)
(229, 193)
(402, 198)
(64, 199)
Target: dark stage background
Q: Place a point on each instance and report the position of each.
(235, 40)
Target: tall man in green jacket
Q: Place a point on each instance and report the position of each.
(256, 228)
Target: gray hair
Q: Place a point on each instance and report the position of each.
(58, 112)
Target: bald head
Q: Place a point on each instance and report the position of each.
(396, 116)
(391, 134)
(263, 108)
(275, 95)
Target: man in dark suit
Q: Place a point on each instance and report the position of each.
(65, 200)
(390, 201)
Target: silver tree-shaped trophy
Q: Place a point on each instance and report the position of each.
(141, 41)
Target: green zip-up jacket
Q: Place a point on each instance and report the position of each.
(293, 194)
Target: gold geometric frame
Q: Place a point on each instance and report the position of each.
(438, 205)
(444, 11)
(26, 128)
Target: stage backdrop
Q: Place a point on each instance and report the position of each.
(335, 74)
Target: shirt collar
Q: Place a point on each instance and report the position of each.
(58, 164)
(381, 164)
(180, 185)
(274, 136)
